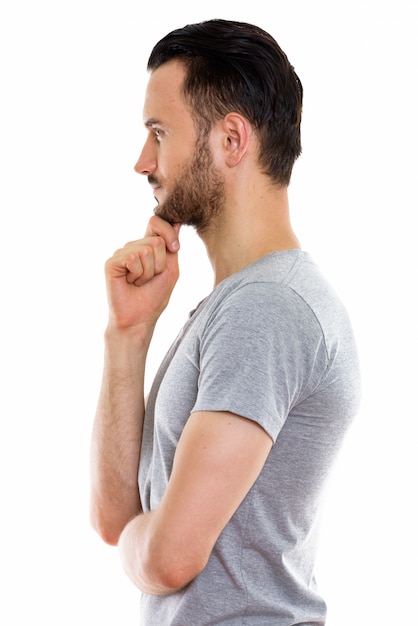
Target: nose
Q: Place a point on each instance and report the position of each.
(147, 162)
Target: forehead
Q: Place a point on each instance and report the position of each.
(164, 100)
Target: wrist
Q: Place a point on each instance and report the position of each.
(138, 336)
(126, 349)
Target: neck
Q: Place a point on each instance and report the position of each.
(247, 230)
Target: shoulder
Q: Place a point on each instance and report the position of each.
(272, 289)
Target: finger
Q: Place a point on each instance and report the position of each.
(160, 254)
(169, 233)
(139, 260)
(134, 268)
(152, 253)
(142, 268)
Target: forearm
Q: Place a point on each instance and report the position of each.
(117, 432)
(139, 278)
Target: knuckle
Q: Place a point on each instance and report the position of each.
(159, 243)
(146, 251)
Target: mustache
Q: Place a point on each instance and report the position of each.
(153, 180)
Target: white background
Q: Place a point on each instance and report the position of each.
(72, 81)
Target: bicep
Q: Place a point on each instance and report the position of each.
(218, 459)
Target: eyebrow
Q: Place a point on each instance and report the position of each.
(152, 122)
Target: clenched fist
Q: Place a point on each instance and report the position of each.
(141, 276)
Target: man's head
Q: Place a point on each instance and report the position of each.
(234, 66)
(176, 158)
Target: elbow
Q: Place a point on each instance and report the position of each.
(176, 575)
(107, 527)
(107, 534)
(155, 564)
(173, 569)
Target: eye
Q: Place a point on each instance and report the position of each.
(158, 134)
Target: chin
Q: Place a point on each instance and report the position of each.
(159, 210)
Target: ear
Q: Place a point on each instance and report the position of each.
(236, 135)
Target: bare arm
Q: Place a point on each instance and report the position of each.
(140, 278)
(218, 459)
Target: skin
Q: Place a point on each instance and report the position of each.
(219, 455)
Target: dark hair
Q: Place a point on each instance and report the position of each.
(234, 66)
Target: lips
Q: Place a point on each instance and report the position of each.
(155, 188)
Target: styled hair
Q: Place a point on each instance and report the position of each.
(238, 67)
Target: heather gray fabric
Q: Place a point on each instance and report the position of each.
(271, 343)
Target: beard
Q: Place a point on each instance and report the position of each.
(198, 195)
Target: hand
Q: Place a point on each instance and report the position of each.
(141, 276)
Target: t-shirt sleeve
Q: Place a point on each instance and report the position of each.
(260, 353)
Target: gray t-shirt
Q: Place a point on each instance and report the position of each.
(272, 343)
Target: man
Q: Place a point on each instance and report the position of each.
(251, 403)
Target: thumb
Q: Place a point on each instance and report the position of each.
(175, 245)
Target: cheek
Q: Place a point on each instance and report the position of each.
(172, 164)
(216, 148)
